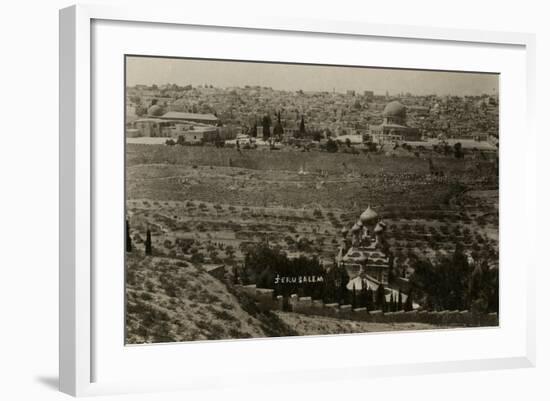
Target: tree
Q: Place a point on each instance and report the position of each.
(236, 276)
(459, 154)
(278, 129)
(148, 244)
(409, 302)
(197, 257)
(332, 146)
(128, 238)
(363, 295)
(372, 147)
(262, 266)
(266, 125)
(302, 127)
(370, 299)
(141, 110)
(343, 279)
(218, 140)
(353, 297)
(254, 130)
(135, 99)
(381, 297)
(399, 301)
(230, 251)
(445, 285)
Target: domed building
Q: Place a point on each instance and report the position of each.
(155, 111)
(394, 113)
(361, 254)
(369, 216)
(394, 127)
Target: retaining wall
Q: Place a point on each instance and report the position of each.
(266, 300)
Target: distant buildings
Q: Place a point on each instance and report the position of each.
(149, 127)
(368, 95)
(192, 127)
(335, 114)
(194, 117)
(394, 127)
(194, 134)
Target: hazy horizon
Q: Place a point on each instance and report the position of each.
(291, 77)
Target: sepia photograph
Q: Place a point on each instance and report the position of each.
(278, 199)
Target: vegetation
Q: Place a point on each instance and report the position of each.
(128, 238)
(148, 243)
(332, 146)
(454, 284)
(262, 265)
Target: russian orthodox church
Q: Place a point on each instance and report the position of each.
(361, 251)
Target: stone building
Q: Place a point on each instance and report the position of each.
(361, 252)
(394, 127)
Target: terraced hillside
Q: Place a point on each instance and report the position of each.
(170, 300)
(208, 205)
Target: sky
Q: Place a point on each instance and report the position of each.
(292, 77)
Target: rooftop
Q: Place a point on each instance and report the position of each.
(177, 115)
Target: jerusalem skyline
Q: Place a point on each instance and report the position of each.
(318, 78)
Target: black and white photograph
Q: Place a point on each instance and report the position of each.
(272, 199)
(284, 201)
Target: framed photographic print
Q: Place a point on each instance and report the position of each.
(355, 198)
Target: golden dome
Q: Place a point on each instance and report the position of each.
(368, 216)
(395, 109)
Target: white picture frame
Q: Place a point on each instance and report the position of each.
(78, 348)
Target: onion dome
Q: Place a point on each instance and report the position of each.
(344, 230)
(155, 110)
(395, 109)
(355, 228)
(380, 227)
(368, 216)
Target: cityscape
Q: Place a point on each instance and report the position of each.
(308, 200)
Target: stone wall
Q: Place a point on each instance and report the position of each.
(266, 300)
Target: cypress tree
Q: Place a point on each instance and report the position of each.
(408, 303)
(399, 301)
(370, 299)
(343, 290)
(363, 297)
(148, 245)
(128, 238)
(381, 297)
(254, 130)
(278, 129)
(302, 127)
(266, 125)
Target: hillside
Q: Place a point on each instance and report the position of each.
(316, 325)
(171, 300)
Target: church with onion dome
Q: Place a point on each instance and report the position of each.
(361, 251)
(394, 127)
